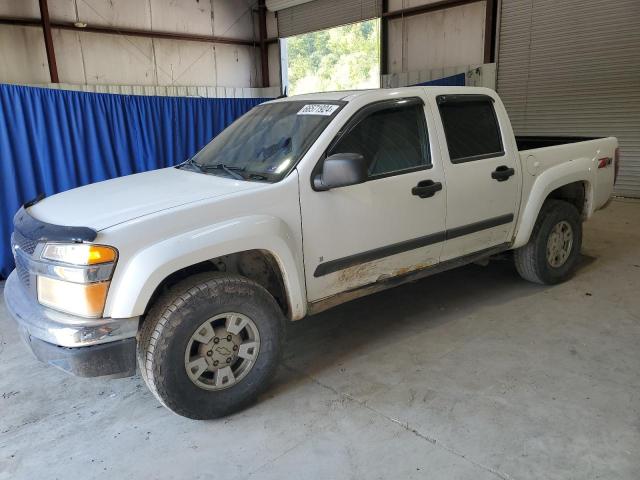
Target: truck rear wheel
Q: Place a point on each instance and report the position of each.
(554, 247)
(210, 345)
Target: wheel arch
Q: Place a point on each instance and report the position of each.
(261, 248)
(566, 181)
(258, 265)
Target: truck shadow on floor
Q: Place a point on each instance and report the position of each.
(330, 339)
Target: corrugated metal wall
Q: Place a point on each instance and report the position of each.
(573, 68)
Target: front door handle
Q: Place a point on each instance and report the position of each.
(502, 173)
(426, 188)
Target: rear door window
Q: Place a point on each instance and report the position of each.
(471, 127)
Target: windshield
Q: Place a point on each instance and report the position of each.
(266, 142)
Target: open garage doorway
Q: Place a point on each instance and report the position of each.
(340, 58)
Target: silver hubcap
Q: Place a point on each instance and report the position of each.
(222, 351)
(559, 244)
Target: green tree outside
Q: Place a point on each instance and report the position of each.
(340, 58)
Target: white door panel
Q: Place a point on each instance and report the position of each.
(356, 221)
(475, 200)
(483, 189)
(357, 235)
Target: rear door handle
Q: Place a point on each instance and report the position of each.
(502, 173)
(426, 188)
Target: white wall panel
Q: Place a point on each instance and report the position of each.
(63, 10)
(22, 55)
(274, 64)
(95, 58)
(68, 55)
(181, 16)
(24, 8)
(59, 10)
(123, 13)
(237, 65)
(117, 59)
(184, 63)
(439, 39)
(232, 18)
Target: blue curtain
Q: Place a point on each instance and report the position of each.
(458, 80)
(54, 140)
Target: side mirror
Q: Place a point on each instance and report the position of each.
(341, 170)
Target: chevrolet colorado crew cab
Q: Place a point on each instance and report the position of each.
(301, 204)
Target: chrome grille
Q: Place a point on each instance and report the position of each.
(23, 275)
(22, 245)
(25, 244)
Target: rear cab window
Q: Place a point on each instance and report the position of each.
(471, 127)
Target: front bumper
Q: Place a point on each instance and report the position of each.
(87, 347)
(115, 359)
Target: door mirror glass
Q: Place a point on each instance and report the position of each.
(341, 170)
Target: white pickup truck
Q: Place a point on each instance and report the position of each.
(300, 205)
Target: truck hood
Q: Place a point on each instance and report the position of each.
(104, 204)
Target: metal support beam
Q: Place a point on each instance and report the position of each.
(264, 47)
(430, 7)
(490, 31)
(27, 22)
(384, 39)
(48, 41)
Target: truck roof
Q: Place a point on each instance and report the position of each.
(376, 93)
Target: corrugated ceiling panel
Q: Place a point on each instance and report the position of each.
(321, 14)
(275, 5)
(573, 68)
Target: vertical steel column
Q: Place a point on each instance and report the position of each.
(490, 31)
(384, 43)
(48, 41)
(264, 47)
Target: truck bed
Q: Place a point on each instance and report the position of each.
(525, 142)
(570, 157)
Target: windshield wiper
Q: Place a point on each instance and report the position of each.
(228, 169)
(188, 163)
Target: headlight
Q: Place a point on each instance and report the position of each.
(79, 253)
(75, 277)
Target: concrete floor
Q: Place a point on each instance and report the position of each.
(471, 374)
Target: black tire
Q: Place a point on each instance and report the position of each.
(531, 259)
(174, 318)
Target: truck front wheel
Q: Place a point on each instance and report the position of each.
(210, 345)
(553, 250)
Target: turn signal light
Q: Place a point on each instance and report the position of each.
(79, 253)
(85, 300)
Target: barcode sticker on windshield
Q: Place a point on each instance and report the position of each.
(318, 109)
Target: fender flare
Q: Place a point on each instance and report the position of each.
(578, 170)
(133, 286)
